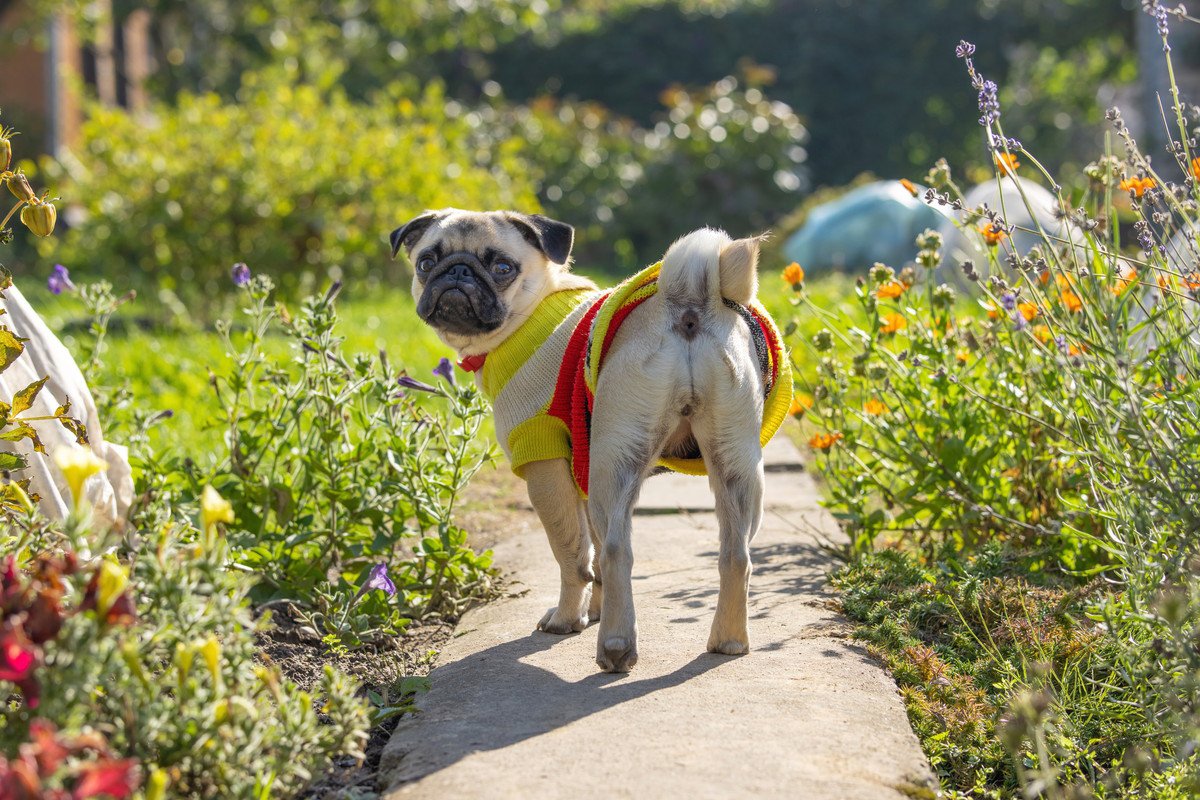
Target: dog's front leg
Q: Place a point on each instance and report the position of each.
(564, 516)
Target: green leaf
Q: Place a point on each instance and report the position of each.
(10, 462)
(11, 348)
(23, 400)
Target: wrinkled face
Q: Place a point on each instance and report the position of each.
(473, 271)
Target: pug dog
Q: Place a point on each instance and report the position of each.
(683, 376)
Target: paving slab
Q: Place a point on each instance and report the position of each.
(517, 713)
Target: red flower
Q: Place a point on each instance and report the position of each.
(116, 779)
(18, 657)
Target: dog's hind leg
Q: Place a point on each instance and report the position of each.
(564, 516)
(734, 461)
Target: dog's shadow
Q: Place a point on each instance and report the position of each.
(494, 699)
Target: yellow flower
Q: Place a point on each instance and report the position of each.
(993, 234)
(962, 356)
(156, 785)
(893, 322)
(1136, 185)
(111, 580)
(824, 441)
(1007, 163)
(911, 189)
(794, 274)
(77, 464)
(1028, 310)
(890, 290)
(875, 407)
(801, 402)
(214, 509)
(1041, 333)
(210, 650)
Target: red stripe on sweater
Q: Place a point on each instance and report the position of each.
(569, 402)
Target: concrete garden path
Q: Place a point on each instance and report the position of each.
(516, 713)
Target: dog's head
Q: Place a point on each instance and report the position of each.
(477, 275)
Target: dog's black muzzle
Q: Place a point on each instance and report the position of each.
(459, 297)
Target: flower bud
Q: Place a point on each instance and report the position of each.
(18, 184)
(40, 218)
(5, 152)
(156, 785)
(823, 340)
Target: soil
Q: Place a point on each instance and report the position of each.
(494, 507)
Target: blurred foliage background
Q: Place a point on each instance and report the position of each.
(293, 134)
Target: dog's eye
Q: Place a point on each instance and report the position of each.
(502, 268)
(426, 264)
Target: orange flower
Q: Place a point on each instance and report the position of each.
(824, 441)
(793, 273)
(1072, 301)
(1192, 280)
(1124, 282)
(1044, 277)
(801, 402)
(993, 234)
(993, 310)
(893, 322)
(962, 356)
(1041, 333)
(875, 407)
(911, 189)
(1028, 310)
(1072, 350)
(1136, 185)
(1196, 168)
(1165, 281)
(890, 290)
(1007, 163)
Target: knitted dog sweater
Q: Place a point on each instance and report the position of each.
(542, 379)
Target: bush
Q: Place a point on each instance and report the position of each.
(294, 180)
(1055, 414)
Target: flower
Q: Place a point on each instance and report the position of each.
(77, 464)
(1009, 301)
(875, 407)
(893, 322)
(110, 778)
(1072, 301)
(993, 233)
(107, 595)
(801, 402)
(1137, 186)
(1165, 281)
(378, 579)
(18, 658)
(413, 383)
(1074, 350)
(60, 280)
(793, 273)
(1192, 280)
(214, 509)
(824, 441)
(910, 187)
(1041, 333)
(890, 290)
(445, 369)
(1196, 168)
(210, 651)
(40, 217)
(1028, 310)
(962, 356)
(1006, 162)
(240, 274)
(1124, 281)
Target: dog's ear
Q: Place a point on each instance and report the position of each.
(738, 265)
(407, 234)
(552, 237)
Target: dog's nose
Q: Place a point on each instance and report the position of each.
(459, 272)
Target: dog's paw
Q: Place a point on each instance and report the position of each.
(616, 654)
(729, 647)
(562, 624)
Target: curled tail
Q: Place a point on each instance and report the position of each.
(705, 267)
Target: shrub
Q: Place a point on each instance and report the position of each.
(1058, 417)
(294, 180)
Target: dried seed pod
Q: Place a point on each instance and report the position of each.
(18, 184)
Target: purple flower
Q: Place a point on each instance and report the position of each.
(378, 578)
(989, 103)
(413, 383)
(60, 280)
(240, 274)
(1009, 301)
(445, 369)
(965, 49)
